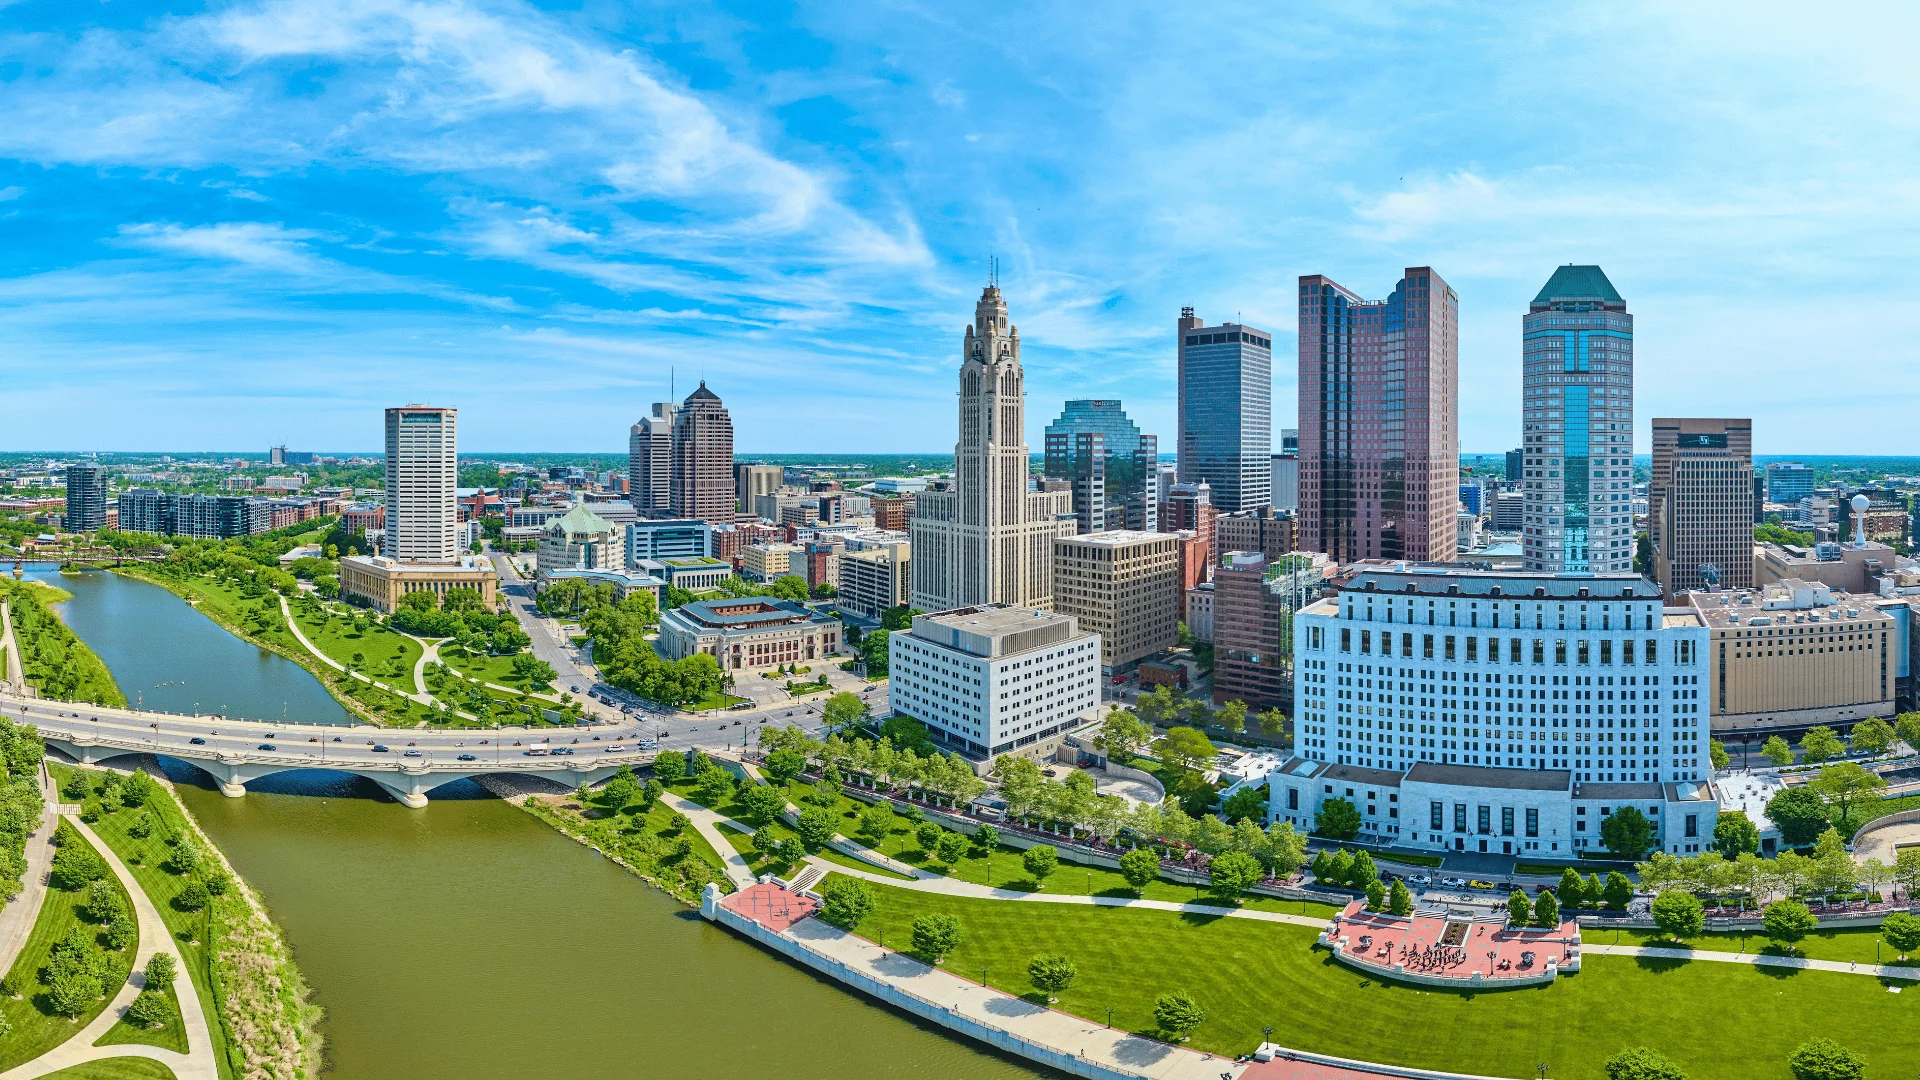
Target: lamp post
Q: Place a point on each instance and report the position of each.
(1109, 1016)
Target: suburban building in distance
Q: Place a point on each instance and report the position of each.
(1225, 410)
(1796, 654)
(995, 680)
(580, 540)
(423, 472)
(988, 540)
(381, 581)
(874, 578)
(86, 498)
(650, 461)
(1577, 397)
(1700, 503)
(702, 484)
(752, 632)
(1124, 586)
(1380, 419)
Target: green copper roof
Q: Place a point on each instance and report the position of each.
(582, 520)
(1572, 282)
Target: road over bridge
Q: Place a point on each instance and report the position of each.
(408, 762)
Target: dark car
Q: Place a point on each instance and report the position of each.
(197, 741)
(380, 749)
(468, 757)
(268, 746)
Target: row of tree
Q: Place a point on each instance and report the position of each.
(1870, 736)
(1828, 869)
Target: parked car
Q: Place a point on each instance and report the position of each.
(1476, 883)
(1454, 882)
(1422, 880)
(197, 741)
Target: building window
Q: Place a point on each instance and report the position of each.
(1427, 647)
(1693, 825)
(1449, 646)
(1506, 821)
(1485, 820)
(1459, 817)
(1437, 816)
(1533, 821)
(1293, 798)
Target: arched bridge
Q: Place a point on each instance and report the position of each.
(408, 762)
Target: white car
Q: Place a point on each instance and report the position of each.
(1421, 880)
(1454, 882)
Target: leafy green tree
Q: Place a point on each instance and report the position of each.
(1040, 861)
(790, 851)
(1627, 833)
(1232, 873)
(716, 785)
(1519, 912)
(815, 827)
(1248, 802)
(1546, 910)
(1573, 892)
(160, 969)
(1618, 893)
(1363, 870)
(1907, 726)
(1232, 716)
(194, 897)
(619, 790)
(762, 803)
(76, 864)
(102, 901)
(1178, 1013)
(1785, 922)
(1717, 754)
(928, 835)
(1642, 1063)
(121, 931)
(1376, 895)
(986, 838)
(1051, 973)
(1187, 750)
(1800, 814)
(1776, 750)
(1902, 931)
(785, 764)
(876, 823)
(150, 1010)
(1337, 819)
(1823, 1059)
(846, 902)
(1273, 722)
(1872, 735)
(1141, 867)
(1399, 900)
(670, 766)
(1845, 786)
(1734, 834)
(531, 669)
(950, 847)
(1678, 914)
(1820, 744)
(935, 937)
(765, 843)
(844, 713)
(650, 793)
(1122, 734)
(138, 789)
(71, 992)
(678, 822)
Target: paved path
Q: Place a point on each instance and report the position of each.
(15, 673)
(708, 823)
(1844, 967)
(429, 654)
(17, 918)
(197, 1064)
(294, 625)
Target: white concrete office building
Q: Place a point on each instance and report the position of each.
(423, 515)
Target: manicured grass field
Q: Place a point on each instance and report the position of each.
(1718, 1021)
(170, 1036)
(1843, 944)
(120, 1068)
(143, 858)
(387, 655)
(33, 1027)
(492, 669)
(644, 841)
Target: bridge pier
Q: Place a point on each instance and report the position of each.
(233, 776)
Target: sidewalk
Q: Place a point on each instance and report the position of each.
(1885, 971)
(708, 822)
(15, 674)
(17, 918)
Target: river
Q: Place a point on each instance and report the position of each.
(468, 940)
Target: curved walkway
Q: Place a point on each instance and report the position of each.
(17, 918)
(15, 674)
(198, 1063)
(708, 823)
(294, 626)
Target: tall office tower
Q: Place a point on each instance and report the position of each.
(86, 498)
(987, 539)
(1577, 427)
(1700, 504)
(1226, 411)
(1788, 482)
(752, 481)
(277, 455)
(422, 472)
(650, 461)
(1516, 465)
(702, 485)
(1380, 420)
(1123, 585)
(1290, 441)
(1286, 482)
(1102, 454)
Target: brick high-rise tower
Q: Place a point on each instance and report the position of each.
(702, 485)
(1700, 504)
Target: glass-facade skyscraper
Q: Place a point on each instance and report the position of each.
(1101, 452)
(1225, 415)
(1577, 393)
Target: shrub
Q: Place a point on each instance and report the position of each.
(928, 834)
(102, 901)
(160, 969)
(75, 865)
(950, 847)
(847, 901)
(1824, 1059)
(194, 897)
(1040, 861)
(986, 838)
(1642, 1063)
(151, 1009)
(121, 931)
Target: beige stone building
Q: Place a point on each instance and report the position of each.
(580, 540)
(1700, 503)
(764, 562)
(1123, 585)
(875, 578)
(381, 581)
(1795, 654)
(1854, 568)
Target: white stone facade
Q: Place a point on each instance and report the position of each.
(994, 680)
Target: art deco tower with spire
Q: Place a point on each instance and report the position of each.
(988, 540)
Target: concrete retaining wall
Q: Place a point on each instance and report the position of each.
(1904, 817)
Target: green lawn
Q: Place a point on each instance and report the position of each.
(143, 859)
(1846, 944)
(643, 841)
(759, 864)
(34, 1029)
(714, 701)
(1718, 1021)
(170, 1036)
(387, 655)
(486, 668)
(120, 1068)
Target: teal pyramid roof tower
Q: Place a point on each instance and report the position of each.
(1572, 282)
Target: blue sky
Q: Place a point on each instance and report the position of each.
(236, 224)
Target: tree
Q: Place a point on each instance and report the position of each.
(876, 823)
(1178, 1013)
(1642, 553)
(121, 931)
(716, 785)
(71, 991)
(1546, 910)
(815, 827)
(1286, 849)
(1846, 785)
(1824, 1059)
(762, 803)
(1678, 914)
(76, 864)
(1820, 744)
(950, 847)
(150, 1009)
(1519, 912)
(1337, 819)
(1626, 832)
(1734, 834)
(1800, 814)
(1051, 973)
(1776, 750)
(1907, 726)
(935, 937)
(846, 901)
(1232, 716)
(785, 764)
(1786, 922)
(1040, 861)
(1902, 931)
(1376, 895)
(530, 669)
(1717, 755)
(1399, 900)
(1642, 1063)
(1121, 736)
(1573, 892)
(1230, 873)
(1248, 802)
(160, 969)
(102, 901)
(670, 766)
(899, 617)
(986, 838)
(1141, 867)
(1872, 735)
(1618, 893)
(1186, 749)
(844, 713)
(1363, 870)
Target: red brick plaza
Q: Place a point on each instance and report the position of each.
(1436, 947)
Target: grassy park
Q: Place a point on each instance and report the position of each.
(120, 1068)
(33, 1026)
(1846, 944)
(1249, 975)
(678, 860)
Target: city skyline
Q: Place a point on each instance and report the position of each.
(804, 219)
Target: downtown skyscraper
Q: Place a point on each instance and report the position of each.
(1577, 425)
(1380, 420)
(423, 470)
(1225, 416)
(701, 482)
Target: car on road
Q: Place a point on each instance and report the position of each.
(412, 753)
(197, 741)
(1454, 882)
(380, 749)
(575, 689)
(1476, 883)
(1422, 880)
(613, 749)
(268, 746)
(468, 757)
